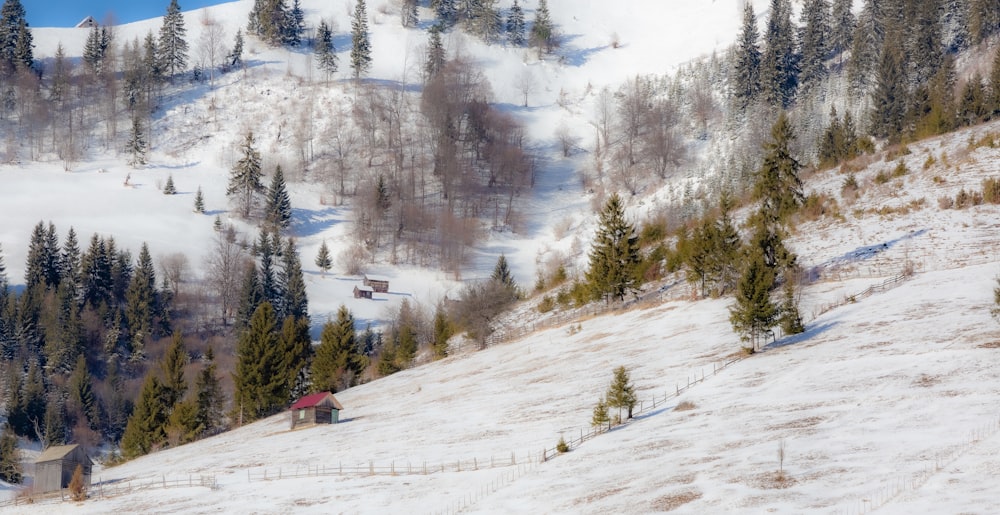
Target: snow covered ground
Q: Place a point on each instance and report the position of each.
(888, 402)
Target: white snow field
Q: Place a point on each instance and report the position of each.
(888, 402)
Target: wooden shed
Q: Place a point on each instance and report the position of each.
(379, 284)
(363, 292)
(317, 408)
(54, 468)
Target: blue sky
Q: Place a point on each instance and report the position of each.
(67, 13)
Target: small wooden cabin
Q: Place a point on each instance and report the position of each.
(54, 468)
(363, 292)
(87, 23)
(317, 408)
(379, 284)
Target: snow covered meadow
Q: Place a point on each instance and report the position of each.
(887, 402)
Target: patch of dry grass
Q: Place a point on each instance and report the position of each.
(685, 406)
(674, 501)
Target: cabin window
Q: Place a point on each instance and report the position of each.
(302, 414)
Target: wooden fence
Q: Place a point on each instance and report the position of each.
(883, 286)
(109, 489)
(392, 469)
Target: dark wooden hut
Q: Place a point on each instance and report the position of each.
(379, 284)
(54, 468)
(363, 292)
(317, 408)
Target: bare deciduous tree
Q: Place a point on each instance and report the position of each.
(225, 266)
(211, 45)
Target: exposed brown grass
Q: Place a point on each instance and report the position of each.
(674, 501)
(685, 406)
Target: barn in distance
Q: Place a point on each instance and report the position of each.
(317, 408)
(54, 468)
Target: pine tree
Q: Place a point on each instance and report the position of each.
(278, 211)
(814, 45)
(295, 344)
(293, 26)
(260, 383)
(294, 303)
(15, 38)
(406, 336)
(172, 368)
(753, 312)
(408, 14)
(137, 147)
(841, 26)
(199, 202)
(82, 401)
(779, 64)
(446, 12)
(208, 391)
(69, 262)
(515, 25)
(326, 54)
(52, 266)
(146, 428)
(435, 52)
(245, 179)
(64, 339)
(615, 253)
(251, 297)
(442, 332)
(924, 44)
(600, 417)
(323, 259)
(95, 50)
(335, 362)
(746, 69)
(890, 94)
(54, 420)
(777, 185)
(141, 303)
(621, 393)
(267, 249)
(543, 33)
(169, 188)
(361, 50)
(10, 457)
(789, 318)
(172, 47)
(183, 425)
(235, 57)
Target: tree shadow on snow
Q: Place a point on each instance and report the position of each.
(309, 222)
(801, 337)
(577, 57)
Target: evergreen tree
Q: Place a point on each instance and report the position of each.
(69, 262)
(336, 362)
(814, 44)
(361, 50)
(137, 146)
(235, 57)
(326, 54)
(621, 393)
(294, 25)
(600, 417)
(503, 275)
(15, 38)
(34, 270)
(245, 179)
(260, 382)
(924, 43)
(251, 297)
(615, 254)
(267, 249)
(984, 19)
(543, 32)
(10, 457)
(63, 331)
(169, 188)
(295, 302)
(972, 105)
(841, 26)
(890, 93)
(866, 45)
(435, 52)
(141, 303)
(777, 185)
(442, 332)
(52, 265)
(199, 202)
(515, 25)
(278, 211)
(408, 14)
(779, 64)
(146, 428)
(788, 313)
(172, 47)
(447, 12)
(95, 49)
(117, 407)
(406, 336)
(208, 391)
(54, 420)
(746, 68)
(183, 425)
(82, 401)
(753, 312)
(172, 368)
(323, 259)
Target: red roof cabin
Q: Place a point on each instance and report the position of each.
(317, 408)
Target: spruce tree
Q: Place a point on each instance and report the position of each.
(543, 32)
(69, 262)
(435, 52)
(82, 401)
(406, 336)
(503, 275)
(779, 63)
(326, 54)
(278, 211)
(235, 57)
(183, 425)
(251, 297)
(777, 185)
(296, 346)
(259, 381)
(172, 46)
(336, 362)
(141, 303)
(753, 313)
(172, 368)
(293, 26)
(323, 259)
(600, 416)
(245, 179)
(10, 457)
(199, 202)
(889, 96)
(361, 50)
(515, 25)
(15, 38)
(169, 188)
(136, 147)
(54, 420)
(446, 12)
(621, 393)
(788, 312)
(614, 254)
(208, 391)
(442, 332)
(814, 45)
(746, 68)
(842, 25)
(408, 14)
(146, 428)
(294, 303)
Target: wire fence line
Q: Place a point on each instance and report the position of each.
(898, 486)
(486, 489)
(114, 488)
(392, 469)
